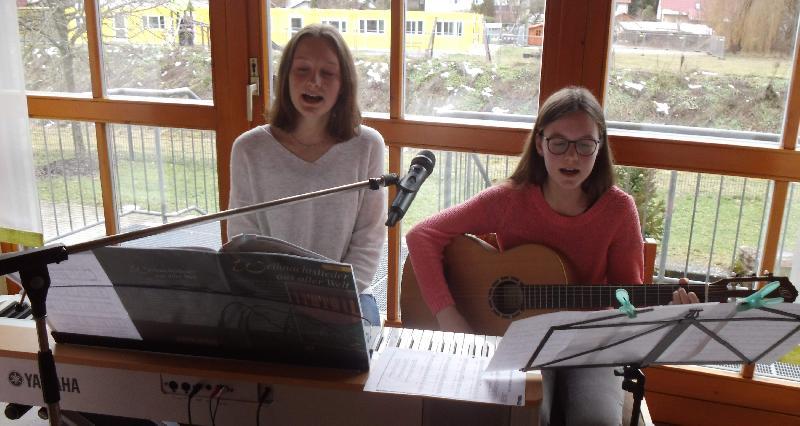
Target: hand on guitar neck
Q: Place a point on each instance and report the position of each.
(681, 297)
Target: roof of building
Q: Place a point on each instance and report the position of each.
(665, 27)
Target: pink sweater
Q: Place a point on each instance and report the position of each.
(603, 245)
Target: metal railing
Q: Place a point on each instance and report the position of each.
(158, 175)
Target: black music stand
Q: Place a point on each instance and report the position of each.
(708, 333)
(32, 266)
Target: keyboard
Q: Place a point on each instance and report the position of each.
(152, 385)
(10, 307)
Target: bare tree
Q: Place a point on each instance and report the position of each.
(759, 26)
(54, 40)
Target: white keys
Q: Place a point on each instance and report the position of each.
(472, 345)
(448, 346)
(467, 344)
(458, 341)
(406, 338)
(437, 341)
(425, 341)
(491, 345)
(479, 349)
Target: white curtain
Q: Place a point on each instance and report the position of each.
(20, 220)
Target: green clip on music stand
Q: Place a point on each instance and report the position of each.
(707, 333)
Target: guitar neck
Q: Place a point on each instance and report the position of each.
(600, 296)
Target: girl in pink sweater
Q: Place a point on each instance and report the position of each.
(561, 195)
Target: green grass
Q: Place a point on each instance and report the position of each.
(730, 65)
(792, 357)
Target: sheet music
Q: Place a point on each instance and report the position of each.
(93, 308)
(441, 375)
(597, 338)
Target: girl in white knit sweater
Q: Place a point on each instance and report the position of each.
(315, 141)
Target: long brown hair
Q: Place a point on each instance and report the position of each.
(345, 116)
(531, 168)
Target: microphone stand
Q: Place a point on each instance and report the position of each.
(32, 266)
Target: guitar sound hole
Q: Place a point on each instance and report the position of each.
(506, 298)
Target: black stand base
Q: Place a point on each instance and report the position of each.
(633, 382)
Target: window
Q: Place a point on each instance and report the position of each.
(449, 28)
(120, 25)
(720, 71)
(340, 25)
(371, 26)
(413, 27)
(153, 22)
(162, 68)
(46, 68)
(295, 25)
(457, 67)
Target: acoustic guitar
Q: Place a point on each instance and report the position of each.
(493, 288)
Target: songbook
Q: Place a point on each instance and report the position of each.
(256, 298)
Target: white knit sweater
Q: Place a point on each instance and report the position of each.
(344, 226)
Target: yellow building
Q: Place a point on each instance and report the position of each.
(165, 23)
(363, 30)
(369, 30)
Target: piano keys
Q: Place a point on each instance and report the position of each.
(10, 307)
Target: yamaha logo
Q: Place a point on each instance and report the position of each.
(15, 378)
(32, 380)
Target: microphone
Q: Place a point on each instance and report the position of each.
(421, 167)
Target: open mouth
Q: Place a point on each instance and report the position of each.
(569, 172)
(312, 99)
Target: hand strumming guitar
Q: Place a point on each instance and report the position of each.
(450, 319)
(681, 297)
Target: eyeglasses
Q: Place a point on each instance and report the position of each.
(558, 145)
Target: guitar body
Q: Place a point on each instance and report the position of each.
(473, 268)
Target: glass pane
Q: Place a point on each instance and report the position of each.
(157, 49)
(164, 175)
(53, 38)
(365, 31)
(711, 226)
(717, 67)
(475, 60)
(786, 264)
(68, 180)
(456, 177)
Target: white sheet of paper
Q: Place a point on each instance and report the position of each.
(754, 334)
(440, 375)
(82, 300)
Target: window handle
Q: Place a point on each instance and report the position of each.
(252, 90)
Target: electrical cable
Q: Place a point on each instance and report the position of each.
(218, 391)
(261, 400)
(196, 388)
